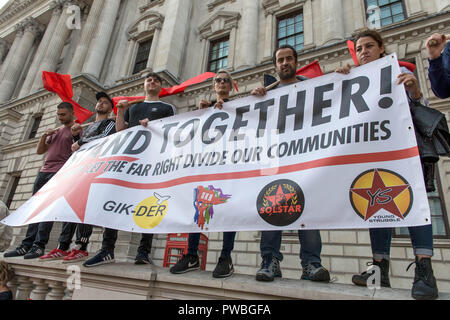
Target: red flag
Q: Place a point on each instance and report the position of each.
(61, 84)
(310, 71)
(170, 91)
(351, 47)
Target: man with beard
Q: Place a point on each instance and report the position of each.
(127, 117)
(57, 144)
(102, 127)
(285, 60)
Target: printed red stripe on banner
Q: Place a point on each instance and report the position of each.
(326, 162)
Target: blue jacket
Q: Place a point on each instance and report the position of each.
(439, 74)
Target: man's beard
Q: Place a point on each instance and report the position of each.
(287, 75)
(101, 112)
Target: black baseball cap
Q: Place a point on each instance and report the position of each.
(102, 94)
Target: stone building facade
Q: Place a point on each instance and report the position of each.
(109, 44)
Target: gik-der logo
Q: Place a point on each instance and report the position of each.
(150, 212)
(281, 203)
(378, 189)
(204, 201)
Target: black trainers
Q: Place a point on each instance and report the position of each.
(35, 252)
(361, 279)
(18, 252)
(103, 257)
(424, 286)
(142, 258)
(315, 272)
(185, 264)
(224, 268)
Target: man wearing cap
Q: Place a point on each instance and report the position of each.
(127, 117)
(102, 127)
(57, 144)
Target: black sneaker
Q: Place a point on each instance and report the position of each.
(224, 268)
(185, 264)
(142, 258)
(361, 279)
(315, 272)
(103, 257)
(35, 252)
(424, 286)
(18, 252)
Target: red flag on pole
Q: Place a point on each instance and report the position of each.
(310, 71)
(61, 84)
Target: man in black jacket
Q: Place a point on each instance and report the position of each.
(102, 127)
(286, 61)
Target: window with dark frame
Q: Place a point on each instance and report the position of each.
(290, 30)
(35, 127)
(218, 54)
(391, 11)
(142, 56)
(12, 191)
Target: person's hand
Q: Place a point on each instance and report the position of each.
(49, 132)
(76, 129)
(204, 104)
(75, 147)
(123, 105)
(219, 104)
(344, 70)
(259, 92)
(411, 84)
(435, 45)
(144, 122)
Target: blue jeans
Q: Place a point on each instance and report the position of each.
(227, 244)
(310, 245)
(421, 239)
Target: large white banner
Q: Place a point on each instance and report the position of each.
(333, 152)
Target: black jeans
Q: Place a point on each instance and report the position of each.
(83, 231)
(39, 233)
(110, 237)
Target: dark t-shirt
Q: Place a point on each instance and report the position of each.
(148, 110)
(7, 295)
(59, 150)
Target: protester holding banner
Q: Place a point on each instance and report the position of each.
(285, 60)
(127, 117)
(439, 69)
(222, 85)
(370, 47)
(102, 127)
(57, 144)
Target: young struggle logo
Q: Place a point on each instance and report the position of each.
(281, 203)
(379, 190)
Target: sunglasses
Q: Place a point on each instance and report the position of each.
(220, 80)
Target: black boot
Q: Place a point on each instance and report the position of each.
(361, 279)
(424, 286)
(429, 175)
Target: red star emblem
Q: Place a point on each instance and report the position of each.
(279, 197)
(73, 183)
(381, 196)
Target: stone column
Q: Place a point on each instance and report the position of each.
(151, 58)
(332, 13)
(268, 36)
(40, 290)
(15, 66)
(100, 43)
(414, 7)
(358, 15)
(54, 48)
(125, 67)
(3, 49)
(57, 291)
(14, 46)
(308, 24)
(248, 35)
(86, 36)
(35, 66)
(24, 288)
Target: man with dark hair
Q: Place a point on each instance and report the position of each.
(286, 63)
(102, 127)
(127, 117)
(57, 144)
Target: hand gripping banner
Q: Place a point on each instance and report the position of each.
(334, 152)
